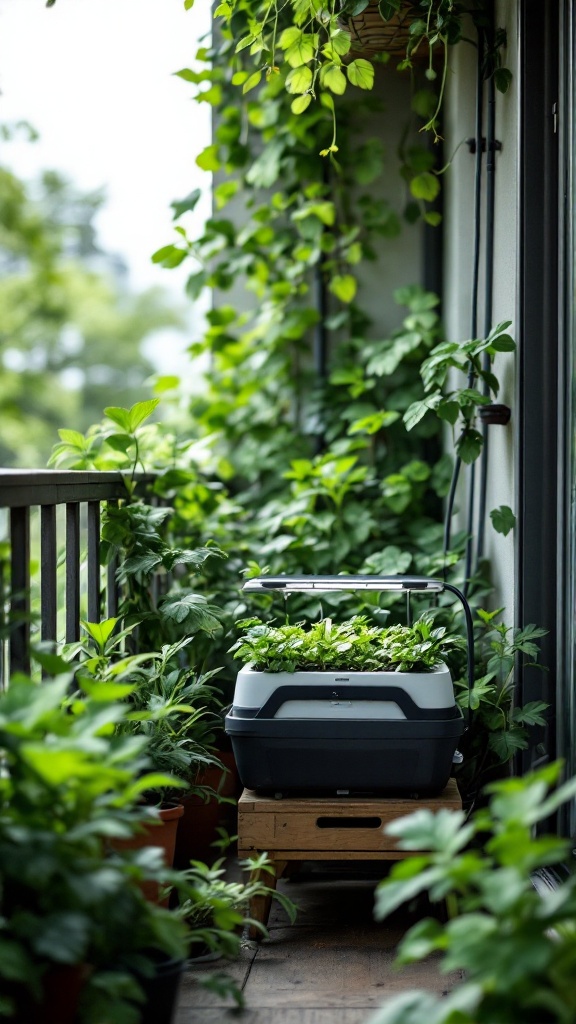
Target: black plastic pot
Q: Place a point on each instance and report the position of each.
(161, 991)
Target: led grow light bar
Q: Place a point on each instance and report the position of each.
(291, 584)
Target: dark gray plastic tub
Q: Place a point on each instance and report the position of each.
(320, 756)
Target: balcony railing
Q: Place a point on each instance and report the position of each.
(79, 496)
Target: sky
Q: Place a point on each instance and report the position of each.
(96, 79)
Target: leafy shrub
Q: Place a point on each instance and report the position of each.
(516, 945)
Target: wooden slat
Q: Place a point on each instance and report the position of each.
(72, 572)
(339, 805)
(320, 855)
(48, 563)
(94, 606)
(20, 589)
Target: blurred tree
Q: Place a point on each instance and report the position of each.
(71, 331)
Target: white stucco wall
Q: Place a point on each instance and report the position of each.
(459, 235)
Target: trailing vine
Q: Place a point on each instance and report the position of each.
(290, 466)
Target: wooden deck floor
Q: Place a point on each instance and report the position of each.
(333, 966)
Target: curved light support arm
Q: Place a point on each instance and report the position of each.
(323, 584)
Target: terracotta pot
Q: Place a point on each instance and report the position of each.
(161, 834)
(197, 830)
(63, 984)
(372, 35)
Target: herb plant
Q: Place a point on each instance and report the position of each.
(217, 908)
(499, 727)
(170, 705)
(515, 944)
(354, 645)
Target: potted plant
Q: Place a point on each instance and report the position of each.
(76, 934)
(167, 704)
(217, 909)
(349, 706)
(315, 46)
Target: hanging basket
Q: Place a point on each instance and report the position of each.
(372, 35)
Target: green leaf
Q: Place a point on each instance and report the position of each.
(302, 50)
(300, 104)
(373, 423)
(503, 519)
(344, 287)
(208, 159)
(100, 631)
(503, 343)
(502, 79)
(188, 5)
(332, 78)
(140, 412)
(469, 445)
(169, 256)
(181, 206)
(250, 84)
(418, 410)
(361, 73)
(74, 437)
(340, 41)
(299, 80)
(425, 186)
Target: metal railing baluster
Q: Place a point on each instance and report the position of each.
(94, 603)
(48, 563)
(19, 644)
(72, 572)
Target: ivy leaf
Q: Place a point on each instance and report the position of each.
(251, 82)
(169, 256)
(299, 80)
(361, 73)
(425, 186)
(245, 42)
(332, 78)
(181, 206)
(344, 287)
(208, 159)
(502, 79)
(388, 8)
(300, 104)
(372, 424)
(302, 50)
(196, 283)
(340, 42)
(503, 519)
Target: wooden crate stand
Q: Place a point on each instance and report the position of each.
(323, 828)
